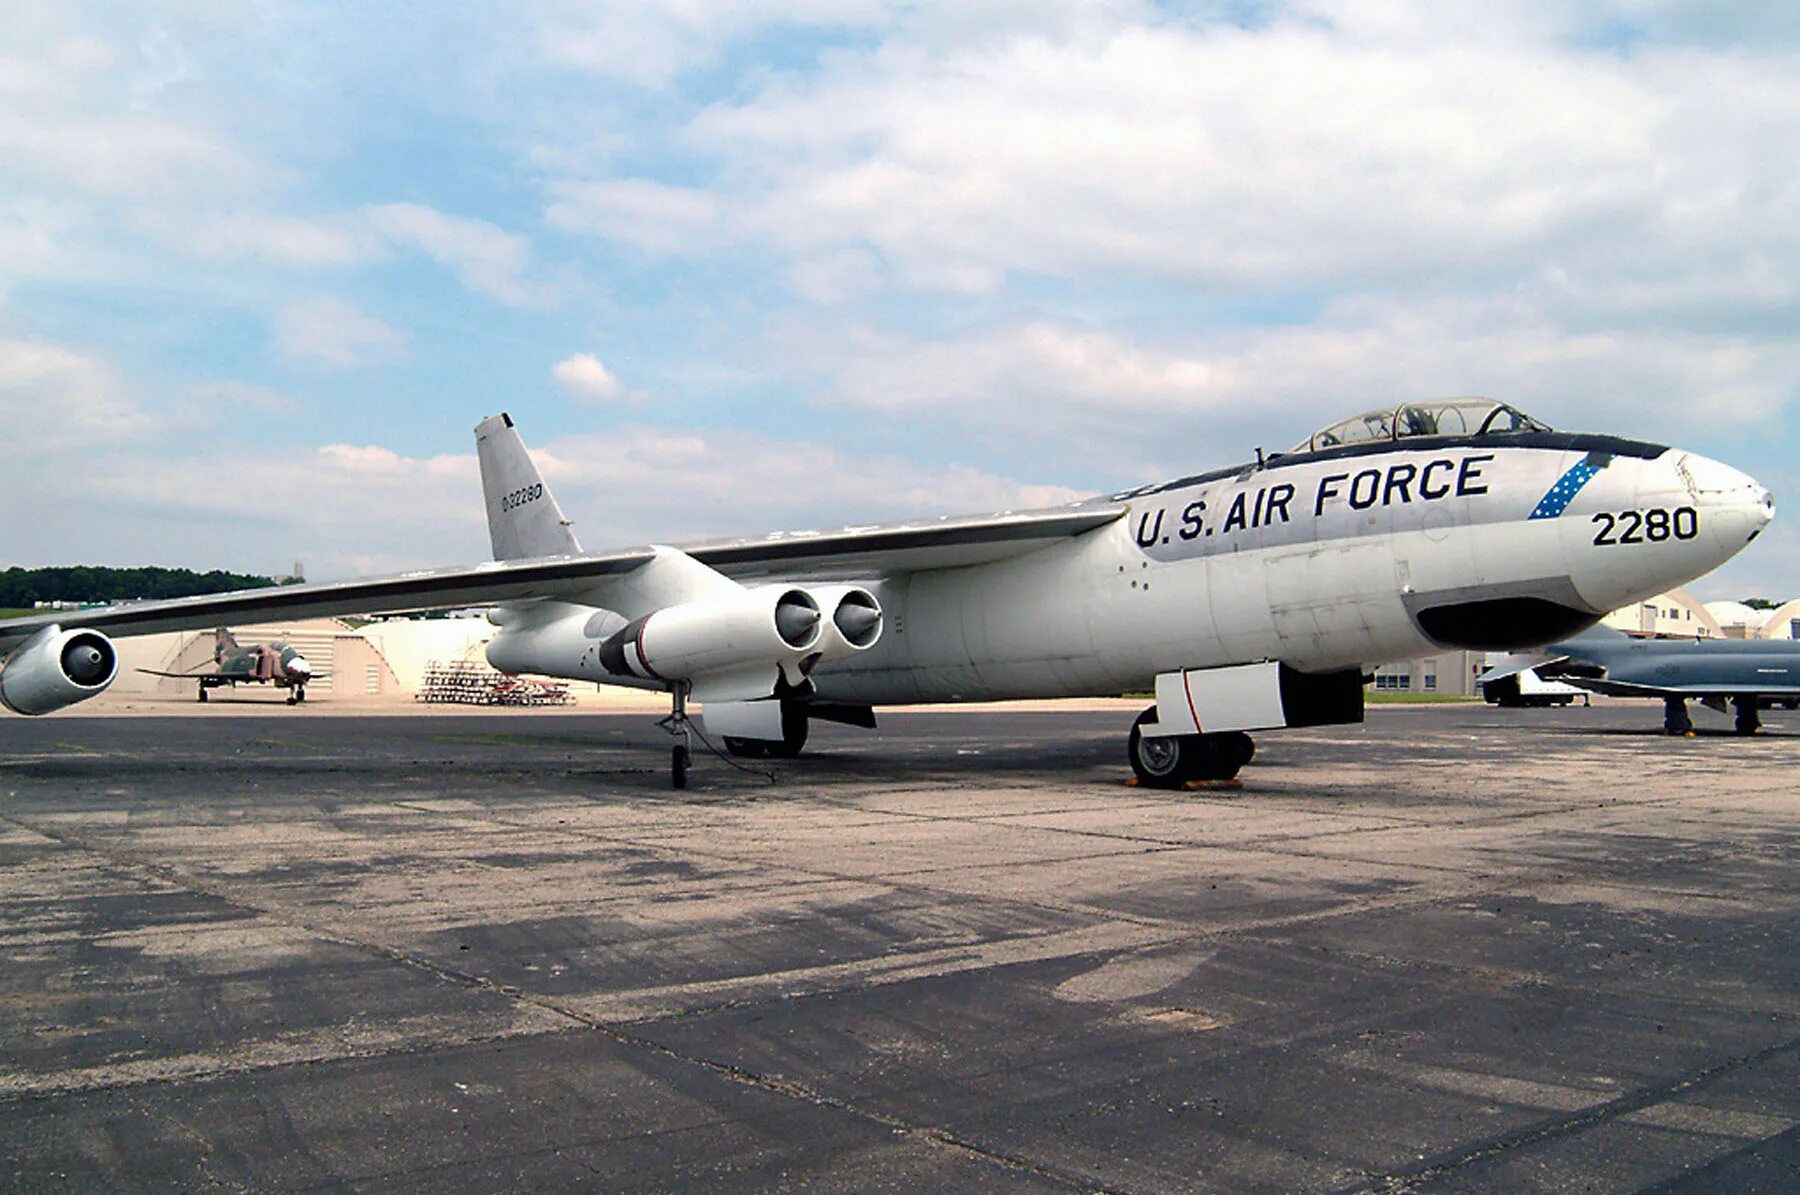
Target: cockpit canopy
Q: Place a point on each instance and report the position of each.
(1439, 417)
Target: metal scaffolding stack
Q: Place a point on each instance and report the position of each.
(469, 682)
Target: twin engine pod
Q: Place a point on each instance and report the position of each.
(748, 630)
(56, 668)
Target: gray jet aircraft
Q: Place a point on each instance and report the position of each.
(1742, 674)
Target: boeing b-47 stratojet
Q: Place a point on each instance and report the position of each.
(274, 663)
(1249, 598)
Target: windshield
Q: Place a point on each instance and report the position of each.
(1441, 417)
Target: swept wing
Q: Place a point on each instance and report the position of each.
(868, 551)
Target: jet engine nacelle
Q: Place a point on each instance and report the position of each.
(56, 668)
(855, 621)
(718, 636)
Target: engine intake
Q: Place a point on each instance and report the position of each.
(56, 668)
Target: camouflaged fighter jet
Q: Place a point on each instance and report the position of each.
(1252, 597)
(273, 663)
(1746, 675)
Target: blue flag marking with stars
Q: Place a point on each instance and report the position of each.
(1557, 498)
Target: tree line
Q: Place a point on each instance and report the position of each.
(25, 587)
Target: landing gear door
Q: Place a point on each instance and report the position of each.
(1264, 696)
(1246, 697)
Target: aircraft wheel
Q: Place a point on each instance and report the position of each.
(794, 725)
(202, 692)
(1161, 762)
(1223, 755)
(1748, 720)
(1675, 717)
(746, 748)
(678, 767)
(293, 700)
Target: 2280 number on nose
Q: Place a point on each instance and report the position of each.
(1646, 526)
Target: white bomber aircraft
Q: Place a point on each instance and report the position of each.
(1248, 598)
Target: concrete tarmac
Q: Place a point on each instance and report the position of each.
(1455, 948)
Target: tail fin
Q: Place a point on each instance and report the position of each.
(523, 518)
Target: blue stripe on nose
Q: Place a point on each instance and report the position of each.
(1557, 498)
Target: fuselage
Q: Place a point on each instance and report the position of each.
(1350, 556)
(1626, 666)
(277, 662)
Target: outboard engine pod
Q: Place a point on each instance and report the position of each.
(56, 668)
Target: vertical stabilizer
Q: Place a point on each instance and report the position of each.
(523, 518)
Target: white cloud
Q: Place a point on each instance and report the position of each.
(279, 240)
(742, 482)
(330, 331)
(653, 217)
(613, 486)
(54, 396)
(486, 258)
(584, 379)
(73, 117)
(209, 402)
(1193, 154)
(1075, 394)
(651, 44)
(1335, 147)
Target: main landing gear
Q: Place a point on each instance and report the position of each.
(1746, 710)
(681, 727)
(1675, 716)
(1748, 720)
(1171, 761)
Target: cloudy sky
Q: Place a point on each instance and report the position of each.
(736, 266)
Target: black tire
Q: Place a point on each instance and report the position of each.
(745, 748)
(1235, 749)
(202, 692)
(678, 767)
(1162, 762)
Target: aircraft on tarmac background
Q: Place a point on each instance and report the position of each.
(1248, 598)
(272, 663)
(1747, 674)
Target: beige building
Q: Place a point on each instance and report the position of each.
(1680, 613)
(1676, 613)
(1782, 623)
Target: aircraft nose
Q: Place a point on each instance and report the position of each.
(298, 668)
(1734, 506)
